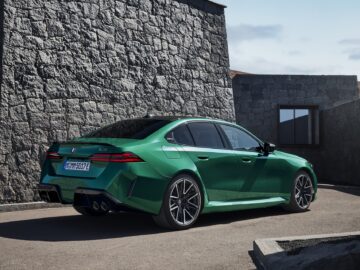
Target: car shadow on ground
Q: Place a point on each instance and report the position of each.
(353, 190)
(115, 225)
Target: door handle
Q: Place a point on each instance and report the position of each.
(203, 157)
(246, 160)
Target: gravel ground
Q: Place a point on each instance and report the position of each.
(340, 254)
(294, 247)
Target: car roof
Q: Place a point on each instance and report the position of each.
(173, 118)
(167, 117)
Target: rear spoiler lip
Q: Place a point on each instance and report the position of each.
(80, 142)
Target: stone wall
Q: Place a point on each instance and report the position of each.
(72, 66)
(257, 99)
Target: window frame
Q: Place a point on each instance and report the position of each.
(217, 129)
(223, 140)
(312, 110)
(261, 143)
(173, 129)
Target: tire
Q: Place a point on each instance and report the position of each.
(87, 211)
(301, 194)
(182, 204)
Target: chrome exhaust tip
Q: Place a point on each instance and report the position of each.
(104, 207)
(96, 206)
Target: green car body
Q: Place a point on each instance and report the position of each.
(228, 179)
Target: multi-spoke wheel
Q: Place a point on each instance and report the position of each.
(182, 203)
(302, 193)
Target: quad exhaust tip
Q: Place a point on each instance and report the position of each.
(96, 206)
(104, 207)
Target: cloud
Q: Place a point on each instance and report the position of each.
(300, 70)
(354, 56)
(353, 48)
(247, 32)
(304, 39)
(262, 65)
(353, 41)
(265, 65)
(294, 53)
(353, 53)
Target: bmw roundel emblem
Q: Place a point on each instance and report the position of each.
(73, 150)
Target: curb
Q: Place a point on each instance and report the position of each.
(28, 206)
(267, 251)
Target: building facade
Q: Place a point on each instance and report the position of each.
(68, 67)
(317, 117)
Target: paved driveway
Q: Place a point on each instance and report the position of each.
(62, 239)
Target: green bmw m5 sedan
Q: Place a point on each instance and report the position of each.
(175, 169)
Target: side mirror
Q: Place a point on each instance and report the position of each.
(269, 147)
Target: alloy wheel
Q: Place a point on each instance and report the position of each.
(303, 191)
(184, 202)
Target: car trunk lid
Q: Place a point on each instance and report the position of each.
(86, 158)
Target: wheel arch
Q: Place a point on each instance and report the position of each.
(198, 179)
(312, 177)
(310, 172)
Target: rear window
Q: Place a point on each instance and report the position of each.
(129, 129)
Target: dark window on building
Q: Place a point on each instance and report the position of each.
(239, 139)
(129, 129)
(299, 125)
(180, 135)
(205, 135)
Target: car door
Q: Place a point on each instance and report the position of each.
(214, 162)
(262, 176)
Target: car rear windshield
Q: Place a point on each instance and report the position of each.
(129, 129)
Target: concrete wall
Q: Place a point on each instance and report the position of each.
(72, 66)
(257, 98)
(341, 151)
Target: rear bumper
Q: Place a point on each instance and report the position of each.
(138, 186)
(83, 197)
(49, 193)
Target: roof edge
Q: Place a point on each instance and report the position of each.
(216, 3)
(208, 6)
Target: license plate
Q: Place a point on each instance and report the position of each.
(77, 166)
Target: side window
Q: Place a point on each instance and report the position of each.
(205, 135)
(180, 135)
(239, 139)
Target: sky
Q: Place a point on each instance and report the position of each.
(294, 36)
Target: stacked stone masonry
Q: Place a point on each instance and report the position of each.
(69, 67)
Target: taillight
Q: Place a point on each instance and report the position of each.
(122, 158)
(53, 155)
